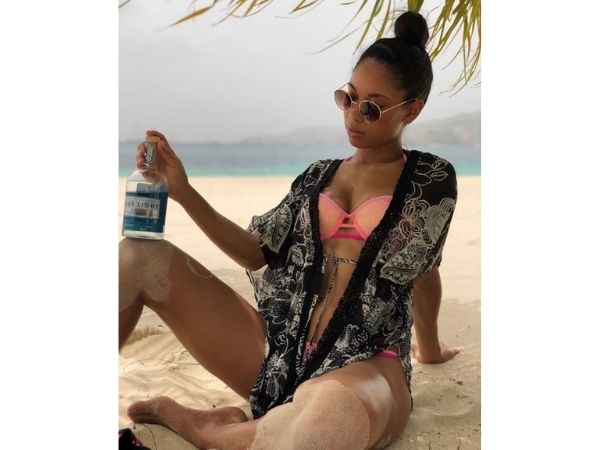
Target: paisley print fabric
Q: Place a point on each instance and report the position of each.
(375, 310)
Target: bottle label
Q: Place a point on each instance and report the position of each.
(141, 207)
(145, 211)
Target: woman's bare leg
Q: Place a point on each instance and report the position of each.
(217, 326)
(203, 428)
(351, 408)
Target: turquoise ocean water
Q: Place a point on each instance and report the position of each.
(216, 160)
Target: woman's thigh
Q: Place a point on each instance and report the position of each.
(216, 325)
(379, 384)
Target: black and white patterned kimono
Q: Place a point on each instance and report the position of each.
(375, 310)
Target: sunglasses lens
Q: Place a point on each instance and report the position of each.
(370, 111)
(342, 99)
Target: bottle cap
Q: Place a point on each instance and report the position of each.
(154, 139)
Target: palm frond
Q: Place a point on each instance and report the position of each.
(374, 12)
(196, 13)
(466, 15)
(456, 18)
(341, 39)
(303, 4)
(385, 20)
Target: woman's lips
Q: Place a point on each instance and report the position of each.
(353, 132)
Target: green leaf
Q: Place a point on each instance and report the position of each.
(302, 5)
(456, 18)
(359, 10)
(252, 5)
(385, 20)
(341, 39)
(374, 12)
(414, 5)
(192, 15)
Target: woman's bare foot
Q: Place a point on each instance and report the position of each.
(195, 426)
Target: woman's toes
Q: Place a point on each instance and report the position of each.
(146, 410)
(197, 426)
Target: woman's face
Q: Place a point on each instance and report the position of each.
(371, 81)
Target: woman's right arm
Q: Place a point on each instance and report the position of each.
(239, 244)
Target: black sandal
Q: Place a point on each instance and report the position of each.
(128, 440)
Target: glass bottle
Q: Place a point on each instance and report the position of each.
(146, 198)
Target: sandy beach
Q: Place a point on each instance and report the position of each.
(447, 401)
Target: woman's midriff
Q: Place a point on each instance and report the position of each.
(390, 368)
(340, 282)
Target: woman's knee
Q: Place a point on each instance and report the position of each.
(373, 391)
(144, 264)
(327, 414)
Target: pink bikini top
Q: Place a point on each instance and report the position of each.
(363, 219)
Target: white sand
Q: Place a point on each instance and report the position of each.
(446, 413)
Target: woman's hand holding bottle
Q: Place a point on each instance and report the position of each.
(168, 166)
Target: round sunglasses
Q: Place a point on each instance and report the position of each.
(370, 111)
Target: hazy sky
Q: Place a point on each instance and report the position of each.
(246, 77)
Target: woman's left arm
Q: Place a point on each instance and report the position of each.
(427, 296)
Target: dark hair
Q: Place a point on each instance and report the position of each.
(405, 56)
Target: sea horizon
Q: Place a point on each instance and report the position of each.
(263, 160)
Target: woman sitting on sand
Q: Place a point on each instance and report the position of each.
(351, 251)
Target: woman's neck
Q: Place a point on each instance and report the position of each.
(383, 154)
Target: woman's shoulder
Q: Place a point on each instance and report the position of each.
(316, 168)
(320, 164)
(434, 161)
(435, 174)
(310, 176)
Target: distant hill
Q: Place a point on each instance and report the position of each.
(315, 135)
(462, 129)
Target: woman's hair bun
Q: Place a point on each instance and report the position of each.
(411, 27)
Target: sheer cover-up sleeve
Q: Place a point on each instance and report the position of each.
(275, 226)
(442, 195)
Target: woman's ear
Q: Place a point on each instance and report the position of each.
(414, 111)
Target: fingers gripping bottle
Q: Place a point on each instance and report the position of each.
(146, 198)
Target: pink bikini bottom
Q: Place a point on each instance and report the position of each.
(310, 348)
(388, 354)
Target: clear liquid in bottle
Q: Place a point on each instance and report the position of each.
(146, 197)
